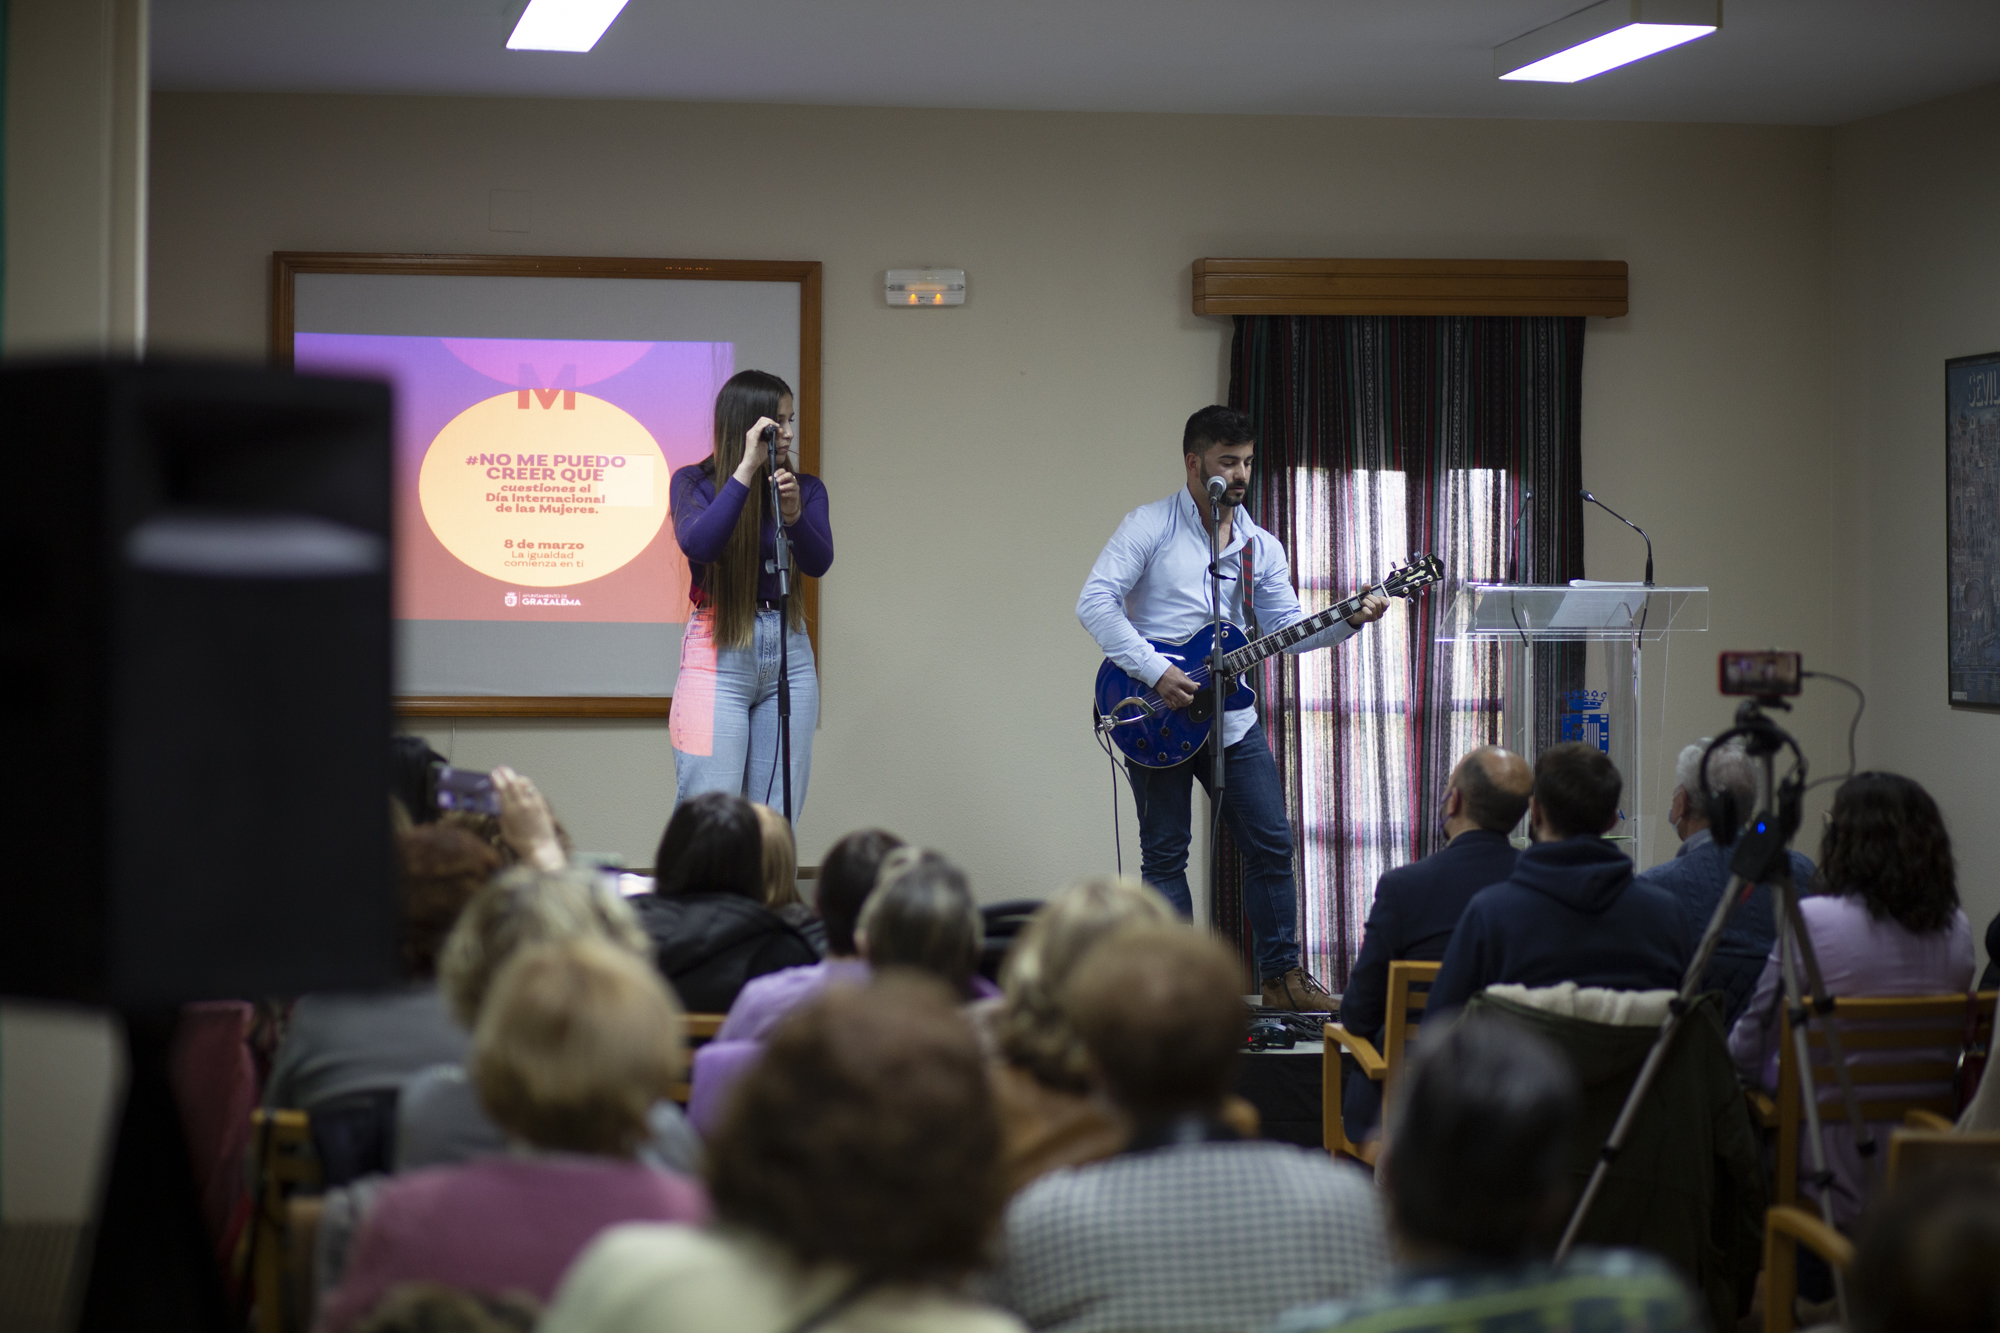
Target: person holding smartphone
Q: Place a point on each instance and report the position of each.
(724, 724)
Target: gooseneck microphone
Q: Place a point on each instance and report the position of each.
(1514, 533)
(1630, 524)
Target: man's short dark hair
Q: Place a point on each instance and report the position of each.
(1487, 804)
(846, 875)
(1213, 426)
(1479, 1151)
(1160, 1009)
(1577, 789)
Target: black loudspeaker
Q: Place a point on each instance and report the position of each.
(195, 681)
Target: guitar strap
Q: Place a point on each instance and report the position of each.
(1249, 590)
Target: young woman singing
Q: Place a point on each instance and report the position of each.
(725, 715)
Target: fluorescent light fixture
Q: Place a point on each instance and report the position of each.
(924, 286)
(1604, 36)
(563, 25)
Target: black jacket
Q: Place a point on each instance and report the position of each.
(708, 944)
(1417, 906)
(1569, 912)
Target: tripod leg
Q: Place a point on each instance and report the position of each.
(1793, 943)
(1864, 1138)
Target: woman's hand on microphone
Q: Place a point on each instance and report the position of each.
(788, 496)
(754, 450)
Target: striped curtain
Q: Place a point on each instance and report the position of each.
(1380, 438)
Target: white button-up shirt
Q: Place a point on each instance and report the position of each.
(1151, 582)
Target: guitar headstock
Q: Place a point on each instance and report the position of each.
(1420, 573)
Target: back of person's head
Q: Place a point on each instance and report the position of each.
(1035, 1033)
(866, 1136)
(438, 870)
(1929, 1256)
(1728, 771)
(432, 1307)
(922, 915)
(411, 763)
(1160, 1008)
(1577, 789)
(712, 844)
(1494, 805)
(1886, 841)
(780, 858)
(526, 906)
(575, 1044)
(846, 877)
(1477, 1161)
(1213, 426)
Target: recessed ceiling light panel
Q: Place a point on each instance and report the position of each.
(563, 25)
(1604, 36)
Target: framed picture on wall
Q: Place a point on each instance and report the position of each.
(542, 406)
(1972, 527)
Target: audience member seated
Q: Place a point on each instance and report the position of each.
(439, 1119)
(710, 929)
(1700, 872)
(576, 1043)
(1570, 911)
(1190, 1227)
(1417, 906)
(1050, 1115)
(846, 877)
(1478, 1183)
(856, 1181)
(1889, 924)
(340, 1049)
(781, 879)
(921, 915)
(1929, 1257)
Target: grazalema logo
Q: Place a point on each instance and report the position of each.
(512, 599)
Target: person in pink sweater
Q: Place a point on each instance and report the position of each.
(575, 1043)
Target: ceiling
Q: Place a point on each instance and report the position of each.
(1805, 62)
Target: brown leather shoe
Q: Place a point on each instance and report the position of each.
(1298, 991)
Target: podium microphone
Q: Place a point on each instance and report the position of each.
(1514, 533)
(1630, 524)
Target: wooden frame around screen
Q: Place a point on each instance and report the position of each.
(286, 265)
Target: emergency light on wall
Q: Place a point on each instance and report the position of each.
(925, 286)
(1604, 36)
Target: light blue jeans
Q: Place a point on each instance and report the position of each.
(724, 722)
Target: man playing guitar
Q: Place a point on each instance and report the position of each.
(1151, 582)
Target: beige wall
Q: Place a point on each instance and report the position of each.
(1916, 280)
(978, 457)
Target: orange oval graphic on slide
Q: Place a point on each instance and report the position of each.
(544, 487)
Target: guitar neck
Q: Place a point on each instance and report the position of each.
(1250, 654)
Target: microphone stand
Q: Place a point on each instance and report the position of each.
(1217, 781)
(781, 565)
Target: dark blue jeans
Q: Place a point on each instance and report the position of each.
(1254, 806)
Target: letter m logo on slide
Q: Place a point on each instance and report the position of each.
(565, 385)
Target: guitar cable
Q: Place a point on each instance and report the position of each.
(1104, 743)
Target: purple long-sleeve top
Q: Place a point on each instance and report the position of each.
(704, 517)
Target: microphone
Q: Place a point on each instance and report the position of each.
(1630, 524)
(1217, 488)
(1514, 533)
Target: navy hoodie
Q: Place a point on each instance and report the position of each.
(1569, 912)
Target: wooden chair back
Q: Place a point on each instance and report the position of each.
(1409, 996)
(1787, 1227)
(1409, 993)
(700, 1028)
(1924, 1149)
(1903, 1053)
(286, 1164)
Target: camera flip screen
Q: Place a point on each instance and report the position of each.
(1762, 675)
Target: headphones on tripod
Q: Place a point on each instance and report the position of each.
(1763, 738)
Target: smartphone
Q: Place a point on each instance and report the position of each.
(1762, 675)
(463, 789)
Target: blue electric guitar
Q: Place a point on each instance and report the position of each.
(1153, 735)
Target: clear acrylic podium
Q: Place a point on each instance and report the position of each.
(1556, 689)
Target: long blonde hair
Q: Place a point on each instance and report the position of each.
(732, 579)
